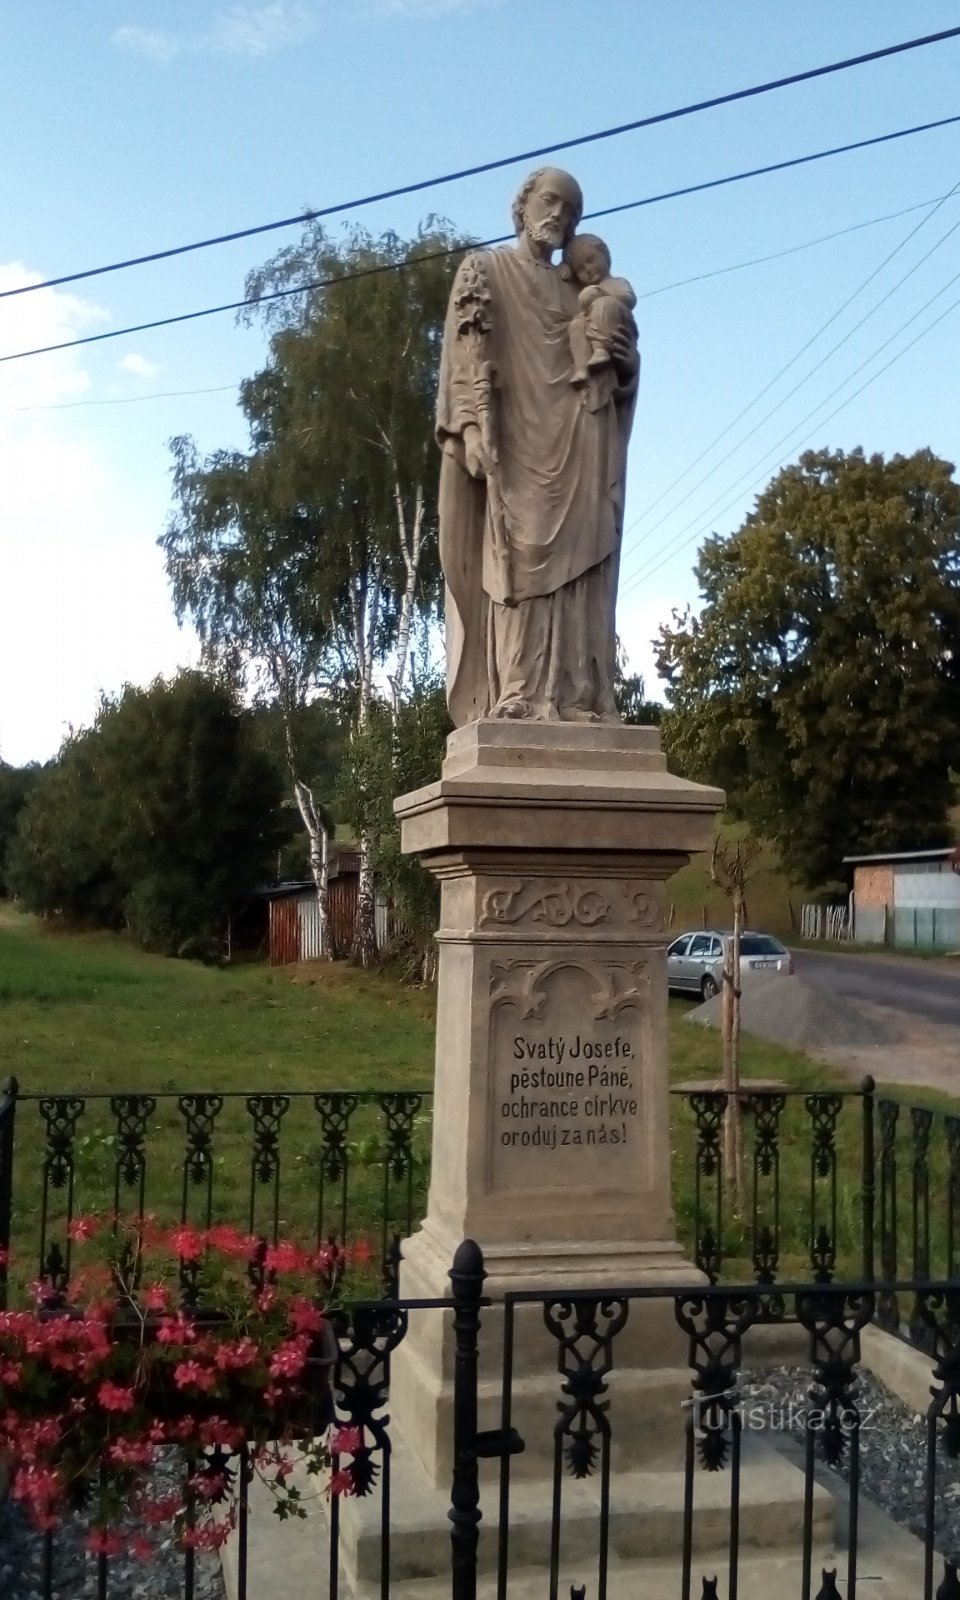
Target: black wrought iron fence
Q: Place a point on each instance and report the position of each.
(808, 1182)
(844, 1183)
(697, 1521)
(334, 1166)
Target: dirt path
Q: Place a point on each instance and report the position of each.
(923, 1055)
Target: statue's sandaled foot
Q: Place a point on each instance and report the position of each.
(513, 709)
(578, 714)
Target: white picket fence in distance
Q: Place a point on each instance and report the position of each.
(826, 922)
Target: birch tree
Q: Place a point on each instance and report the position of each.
(345, 408)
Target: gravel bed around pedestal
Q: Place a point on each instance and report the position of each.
(75, 1571)
(893, 1448)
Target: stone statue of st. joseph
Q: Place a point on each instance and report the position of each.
(532, 479)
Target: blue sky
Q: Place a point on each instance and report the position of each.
(137, 124)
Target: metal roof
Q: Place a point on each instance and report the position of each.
(942, 853)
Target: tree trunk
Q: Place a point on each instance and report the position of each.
(364, 951)
(734, 1131)
(319, 854)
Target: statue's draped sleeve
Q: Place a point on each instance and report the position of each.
(462, 516)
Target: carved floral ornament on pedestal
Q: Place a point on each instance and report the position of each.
(559, 903)
(613, 987)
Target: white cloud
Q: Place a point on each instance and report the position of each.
(236, 30)
(86, 605)
(150, 42)
(258, 30)
(138, 365)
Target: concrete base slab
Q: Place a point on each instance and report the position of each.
(645, 1522)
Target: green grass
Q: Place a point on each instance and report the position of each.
(92, 1015)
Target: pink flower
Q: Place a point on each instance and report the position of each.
(285, 1258)
(82, 1228)
(114, 1398)
(207, 1536)
(103, 1543)
(236, 1356)
(230, 1242)
(187, 1242)
(216, 1430)
(141, 1548)
(290, 1359)
(155, 1297)
(361, 1251)
(305, 1317)
(176, 1330)
(342, 1482)
(190, 1375)
(346, 1441)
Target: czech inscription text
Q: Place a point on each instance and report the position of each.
(568, 1070)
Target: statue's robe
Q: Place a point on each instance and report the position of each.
(531, 579)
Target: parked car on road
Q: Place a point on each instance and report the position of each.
(695, 960)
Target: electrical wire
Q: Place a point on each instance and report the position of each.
(397, 266)
(792, 362)
(647, 294)
(704, 519)
(493, 166)
(119, 400)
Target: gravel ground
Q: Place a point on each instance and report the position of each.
(791, 1012)
(75, 1572)
(893, 1445)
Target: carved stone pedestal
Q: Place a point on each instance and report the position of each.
(553, 843)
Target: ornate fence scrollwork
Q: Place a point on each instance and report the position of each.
(367, 1337)
(60, 1114)
(888, 1308)
(132, 1113)
(335, 1110)
(834, 1321)
(399, 1110)
(266, 1112)
(584, 1330)
(823, 1109)
(708, 1107)
(714, 1324)
(767, 1110)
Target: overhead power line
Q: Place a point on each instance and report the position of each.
(704, 519)
(646, 294)
(779, 404)
(435, 255)
(459, 174)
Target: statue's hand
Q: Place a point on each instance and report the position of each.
(476, 456)
(624, 351)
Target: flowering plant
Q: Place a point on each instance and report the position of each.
(210, 1342)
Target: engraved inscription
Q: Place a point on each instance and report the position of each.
(568, 1065)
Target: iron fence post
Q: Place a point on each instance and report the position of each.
(868, 1193)
(466, 1276)
(8, 1111)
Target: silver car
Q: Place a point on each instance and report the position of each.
(695, 960)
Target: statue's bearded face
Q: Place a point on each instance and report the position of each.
(551, 210)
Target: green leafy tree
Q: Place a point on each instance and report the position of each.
(400, 749)
(341, 475)
(631, 696)
(820, 682)
(160, 817)
(15, 786)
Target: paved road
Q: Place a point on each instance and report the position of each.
(927, 989)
